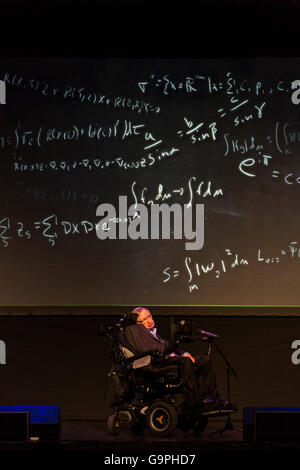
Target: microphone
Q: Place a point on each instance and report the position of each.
(207, 333)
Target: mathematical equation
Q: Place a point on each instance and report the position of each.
(193, 270)
(21, 138)
(194, 188)
(50, 227)
(80, 95)
(49, 193)
(282, 140)
(229, 85)
(246, 99)
(95, 163)
(239, 93)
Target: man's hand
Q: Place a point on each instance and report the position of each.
(187, 354)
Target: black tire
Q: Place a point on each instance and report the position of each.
(161, 419)
(113, 424)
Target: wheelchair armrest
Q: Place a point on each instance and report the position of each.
(140, 360)
(153, 354)
(146, 358)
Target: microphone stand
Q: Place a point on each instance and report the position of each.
(228, 425)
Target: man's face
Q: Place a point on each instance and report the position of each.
(145, 318)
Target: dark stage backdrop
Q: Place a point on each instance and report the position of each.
(60, 361)
(77, 133)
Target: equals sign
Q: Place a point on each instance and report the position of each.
(220, 110)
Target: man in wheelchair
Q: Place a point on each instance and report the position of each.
(158, 386)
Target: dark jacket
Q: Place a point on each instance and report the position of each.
(141, 340)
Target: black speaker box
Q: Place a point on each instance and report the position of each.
(43, 421)
(14, 426)
(270, 424)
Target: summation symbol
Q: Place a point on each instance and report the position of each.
(47, 223)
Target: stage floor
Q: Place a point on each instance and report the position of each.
(96, 431)
(88, 437)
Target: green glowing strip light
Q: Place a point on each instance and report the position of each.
(150, 305)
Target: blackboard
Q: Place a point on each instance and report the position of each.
(78, 133)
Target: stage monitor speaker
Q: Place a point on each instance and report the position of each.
(272, 424)
(44, 421)
(14, 426)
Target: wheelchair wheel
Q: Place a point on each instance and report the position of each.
(113, 424)
(161, 419)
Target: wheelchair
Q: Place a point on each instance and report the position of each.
(145, 391)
